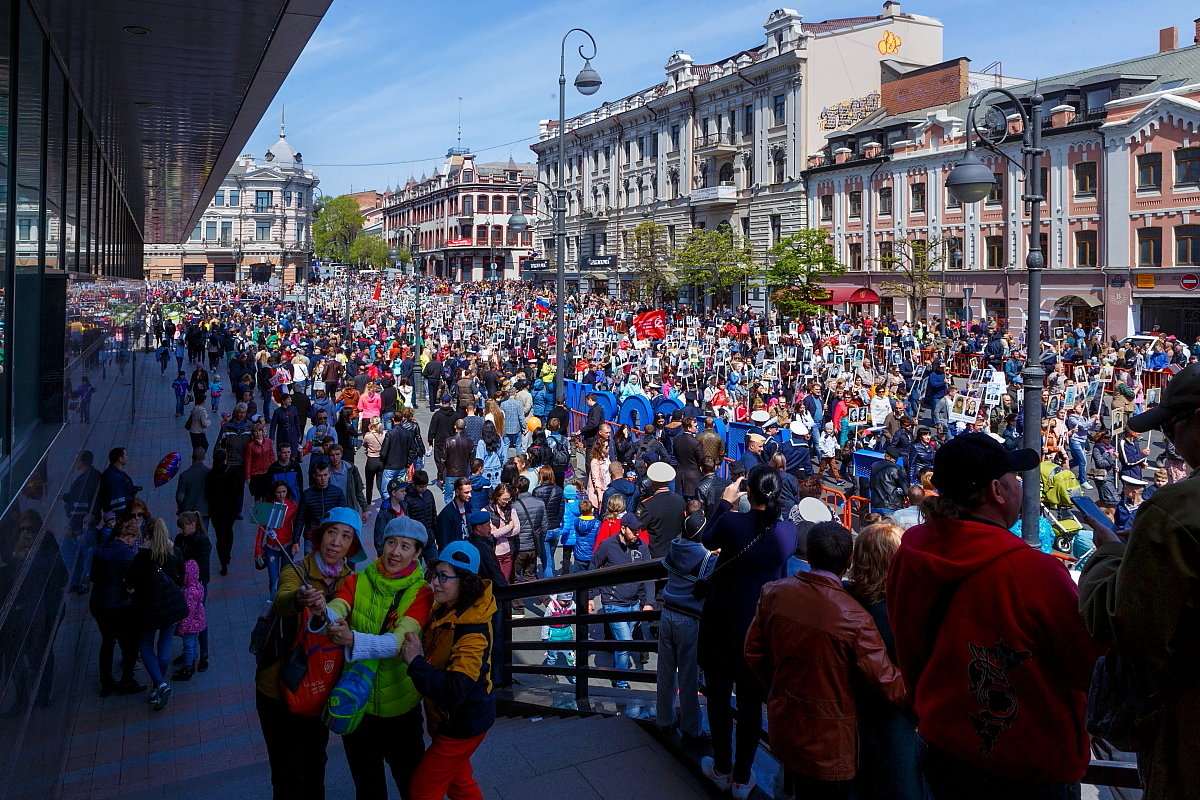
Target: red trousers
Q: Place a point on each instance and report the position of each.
(445, 770)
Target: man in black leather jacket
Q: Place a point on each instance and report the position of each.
(888, 483)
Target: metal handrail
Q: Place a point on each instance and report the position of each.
(1099, 773)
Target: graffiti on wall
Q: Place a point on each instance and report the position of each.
(846, 113)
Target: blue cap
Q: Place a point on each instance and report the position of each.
(461, 555)
(478, 517)
(345, 516)
(407, 527)
(394, 484)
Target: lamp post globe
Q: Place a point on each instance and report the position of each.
(588, 80)
(518, 223)
(971, 180)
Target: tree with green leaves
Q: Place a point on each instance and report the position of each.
(337, 224)
(798, 265)
(650, 254)
(714, 258)
(914, 261)
(370, 250)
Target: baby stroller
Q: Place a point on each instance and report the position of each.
(1059, 485)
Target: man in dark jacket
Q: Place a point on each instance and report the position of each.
(433, 379)
(441, 428)
(624, 483)
(624, 548)
(687, 459)
(397, 452)
(117, 489)
(317, 499)
(711, 486)
(452, 524)
(457, 452)
(888, 483)
(595, 418)
(661, 513)
(418, 503)
(285, 468)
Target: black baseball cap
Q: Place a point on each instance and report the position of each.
(1182, 394)
(970, 461)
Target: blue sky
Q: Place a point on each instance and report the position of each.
(380, 79)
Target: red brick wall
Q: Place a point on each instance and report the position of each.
(928, 86)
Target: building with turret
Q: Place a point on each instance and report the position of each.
(258, 226)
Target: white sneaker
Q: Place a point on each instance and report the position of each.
(1087, 485)
(709, 768)
(742, 790)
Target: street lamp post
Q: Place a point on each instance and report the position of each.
(970, 181)
(588, 83)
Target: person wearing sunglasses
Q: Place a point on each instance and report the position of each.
(1140, 596)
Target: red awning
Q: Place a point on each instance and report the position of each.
(860, 295)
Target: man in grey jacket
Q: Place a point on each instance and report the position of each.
(189, 487)
(531, 512)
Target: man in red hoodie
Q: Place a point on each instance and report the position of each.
(996, 661)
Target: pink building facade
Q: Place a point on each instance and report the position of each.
(1120, 223)
(459, 218)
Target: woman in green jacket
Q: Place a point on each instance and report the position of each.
(370, 615)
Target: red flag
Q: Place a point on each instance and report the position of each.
(651, 325)
(377, 288)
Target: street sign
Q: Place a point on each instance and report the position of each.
(1189, 281)
(536, 264)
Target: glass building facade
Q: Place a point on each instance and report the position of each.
(77, 199)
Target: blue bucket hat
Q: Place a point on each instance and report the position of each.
(345, 516)
(461, 555)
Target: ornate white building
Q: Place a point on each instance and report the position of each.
(722, 143)
(257, 227)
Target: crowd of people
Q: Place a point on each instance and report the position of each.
(924, 648)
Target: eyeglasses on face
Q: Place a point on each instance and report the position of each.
(441, 577)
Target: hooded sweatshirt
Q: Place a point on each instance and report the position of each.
(991, 646)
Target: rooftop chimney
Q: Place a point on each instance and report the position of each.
(1168, 39)
(1196, 37)
(891, 8)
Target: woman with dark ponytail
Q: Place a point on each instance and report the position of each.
(755, 547)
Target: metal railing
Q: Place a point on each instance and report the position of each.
(722, 139)
(1099, 773)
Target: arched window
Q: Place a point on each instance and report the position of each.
(497, 202)
(483, 204)
(726, 173)
(468, 205)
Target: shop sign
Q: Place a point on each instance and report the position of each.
(1144, 280)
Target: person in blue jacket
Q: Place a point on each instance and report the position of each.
(587, 528)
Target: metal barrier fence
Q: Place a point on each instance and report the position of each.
(1100, 773)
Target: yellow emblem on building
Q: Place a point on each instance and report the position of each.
(889, 44)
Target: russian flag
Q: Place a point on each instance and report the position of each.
(542, 305)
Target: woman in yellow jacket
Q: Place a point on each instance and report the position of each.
(453, 672)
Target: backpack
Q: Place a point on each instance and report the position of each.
(560, 453)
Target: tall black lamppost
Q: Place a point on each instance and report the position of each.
(588, 83)
(970, 181)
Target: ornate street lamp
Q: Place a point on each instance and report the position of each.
(970, 181)
(588, 83)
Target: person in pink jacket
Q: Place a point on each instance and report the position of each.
(194, 623)
(370, 407)
(598, 476)
(505, 528)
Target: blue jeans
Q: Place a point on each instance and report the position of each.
(549, 544)
(387, 476)
(884, 511)
(1078, 459)
(273, 558)
(156, 656)
(448, 487)
(77, 555)
(179, 405)
(191, 649)
(387, 420)
(514, 441)
(624, 632)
